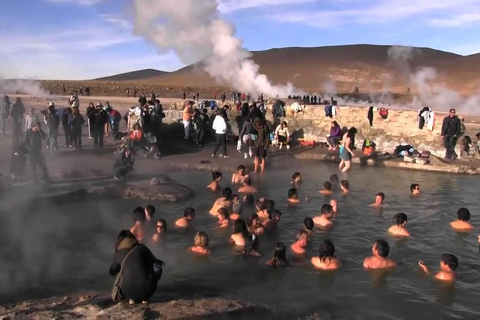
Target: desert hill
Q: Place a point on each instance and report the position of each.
(134, 75)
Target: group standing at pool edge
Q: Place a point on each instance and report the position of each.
(247, 231)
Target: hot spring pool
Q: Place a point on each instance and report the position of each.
(49, 250)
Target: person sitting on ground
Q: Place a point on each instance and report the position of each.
(345, 186)
(123, 165)
(225, 201)
(326, 259)
(296, 179)
(448, 267)
(282, 136)
(323, 219)
(415, 189)
(398, 229)
(149, 212)
(216, 178)
(334, 137)
(293, 196)
(138, 229)
(188, 217)
(160, 229)
(135, 138)
(327, 188)
(379, 200)
(334, 205)
(273, 219)
(301, 242)
(239, 176)
(139, 270)
(279, 256)
(462, 224)
(247, 186)
(222, 216)
(308, 225)
(379, 260)
(200, 242)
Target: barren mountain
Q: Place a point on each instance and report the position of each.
(134, 75)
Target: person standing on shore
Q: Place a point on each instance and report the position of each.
(18, 109)
(52, 120)
(187, 118)
(451, 129)
(76, 122)
(4, 112)
(221, 128)
(100, 118)
(33, 145)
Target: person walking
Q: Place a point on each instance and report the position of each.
(33, 146)
(451, 129)
(4, 113)
(221, 128)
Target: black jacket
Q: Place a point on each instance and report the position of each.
(33, 141)
(139, 282)
(123, 160)
(100, 117)
(451, 126)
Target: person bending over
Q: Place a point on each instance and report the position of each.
(123, 165)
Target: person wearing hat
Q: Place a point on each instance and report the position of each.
(52, 120)
(100, 119)
(33, 146)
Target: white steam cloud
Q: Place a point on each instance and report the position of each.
(31, 87)
(194, 30)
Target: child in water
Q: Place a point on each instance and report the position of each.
(326, 259)
(400, 220)
(200, 242)
(462, 224)
(279, 256)
(379, 260)
(448, 267)
(222, 217)
(216, 178)
(188, 217)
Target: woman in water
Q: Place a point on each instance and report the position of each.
(239, 233)
(279, 256)
(296, 179)
(273, 219)
(200, 243)
(239, 176)
(462, 224)
(346, 152)
(160, 229)
(345, 186)
(138, 228)
(398, 229)
(222, 217)
(223, 202)
(140, 270)
(326, 259)
(216, 178)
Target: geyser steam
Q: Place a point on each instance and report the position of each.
(194, 30)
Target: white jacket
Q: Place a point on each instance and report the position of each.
(219, 125)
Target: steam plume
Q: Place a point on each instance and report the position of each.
(31, 87)
(194, 30)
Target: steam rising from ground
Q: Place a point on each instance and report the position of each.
(194, 30)
(32, 87)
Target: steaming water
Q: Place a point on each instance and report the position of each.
(50, 250)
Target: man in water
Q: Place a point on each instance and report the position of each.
(33, 145)
(379, 260)
(247, 186)
(448, 267)
(123, 165)
(379, 200)
(327, 189)
(326, 213)
(415, 189)
(301, 242)
(451, 129)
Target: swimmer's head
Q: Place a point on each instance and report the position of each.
(149, 212)
(216, 176)
(381, 248)
(326, 250)
(237, 208)
(415, 188)
(292, 193)
(308, 224)
(241, 169)
(301, 236)
(239, 226)
(463, 214)
(139, 214)
(448, 262)
(247, 181)
(345, 185)
(379, 198)
(222, 214)
(161, 226)
(334, 205)
(280, 252)
(201, 239)
(334, 179)
(227, 193)
(327, 210)
(253, 219)
(327, 185)
(297, 177)
(189, 214)
(400, 219)
(275, 215)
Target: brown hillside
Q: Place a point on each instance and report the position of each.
(134, 75)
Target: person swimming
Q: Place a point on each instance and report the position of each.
(188, 217)
(237, 208)
(254, 225)
(296, 179)
(415, 189)
(247, 186)
(301, 242)
(345, 186)
(263, 207)
(448, 267)
(225, 201)
(379, 260)
(462, 224)
(327, 188)
(160, 229)
(334, 180)
(252, 246)
(326, 259)
(239, 176)
(273, 219)
(149, 212)
(334, 205)
(279, 256)
(308, 226)
(200, 243)
(239, 233)
(326, 213)
(400, 220)
(222, 217)
(293, 196)
(379, 198)
(216, 178)
(138, 228)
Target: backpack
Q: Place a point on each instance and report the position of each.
(383, 113)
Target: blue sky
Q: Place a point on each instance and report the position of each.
(84, 39)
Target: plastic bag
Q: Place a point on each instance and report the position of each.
(239, 144)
